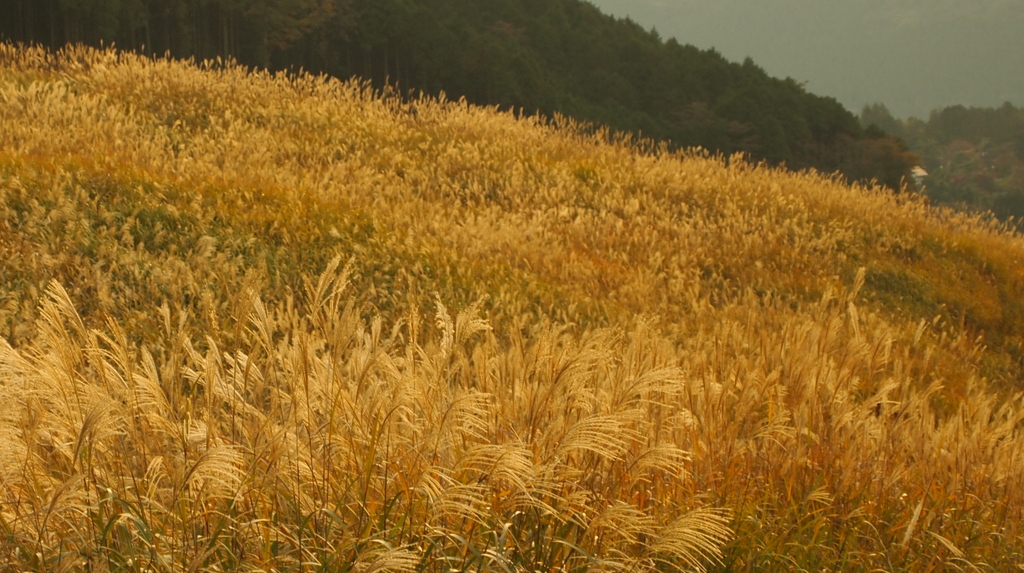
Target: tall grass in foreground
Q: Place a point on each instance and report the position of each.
(651, 361)
(334, 445)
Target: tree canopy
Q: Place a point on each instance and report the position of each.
(974, 156)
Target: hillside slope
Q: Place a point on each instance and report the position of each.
(548, 350)
(548, 57)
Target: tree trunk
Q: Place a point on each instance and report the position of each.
(225, 48)
(53, 28)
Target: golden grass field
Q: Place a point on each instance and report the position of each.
(257, 322)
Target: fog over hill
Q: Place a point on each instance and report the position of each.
(913, 55)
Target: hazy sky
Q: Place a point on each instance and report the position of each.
(912, 55)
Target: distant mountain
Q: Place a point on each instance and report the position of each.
(974, 156)
(547, 56)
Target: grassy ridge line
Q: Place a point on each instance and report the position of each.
(616, 230)
(491, 160)
(841, 422)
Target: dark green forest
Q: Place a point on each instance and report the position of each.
(537, 56)
(974, 156)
